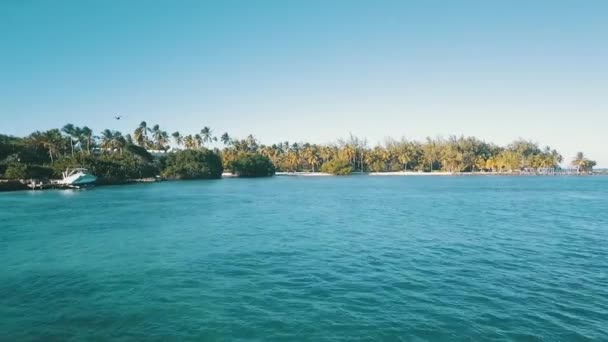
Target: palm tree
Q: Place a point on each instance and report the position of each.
(240, 145)
(578, 161)
(207, 134)
(120, 141)
(583, 164)
(387, 157)
(325, 153)
(510, 160)
(160, 137)
(79, 138)
(179, 140)
(141, 134)
(271, 152)
(430, 152)
(162, 140)
(293, 160)
(557, 156)
(73, 134)
(252, 143)
(492, 164)
(198, 139)
(403, 154)
(51, 140)
(350, 153)
(311, 155)
(228, 156)
(403, 159)
(87, 137)
(155, 133)
(112, 140)
(189, 142)
(106, 139)
(480, 163)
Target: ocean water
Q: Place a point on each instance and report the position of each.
(309, 259)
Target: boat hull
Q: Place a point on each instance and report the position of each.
(80, 179)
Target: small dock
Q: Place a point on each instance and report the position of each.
(30, 184)
(47, 184)
(37, 184)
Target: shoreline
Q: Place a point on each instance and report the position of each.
(437, 173)
(303, 174)
(25, 185)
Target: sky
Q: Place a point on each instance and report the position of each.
(312, 70)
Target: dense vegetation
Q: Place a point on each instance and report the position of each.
(454, 154)
(249, 164)
(111, 168)
(193, 164)
(339, 167)
(112, 157)
(151, 151)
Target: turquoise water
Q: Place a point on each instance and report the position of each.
(353, 258)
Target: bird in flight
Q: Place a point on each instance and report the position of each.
(118, 117)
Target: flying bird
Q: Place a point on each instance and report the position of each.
(118, 117)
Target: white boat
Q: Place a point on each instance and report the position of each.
(78, 177)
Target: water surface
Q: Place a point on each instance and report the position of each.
(353, 258)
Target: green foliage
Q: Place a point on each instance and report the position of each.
(114, 157)
(16, 171)
(140, 152)
(110, 168)
(52, 142)
(39, 172)
(252, 165)
(376, 166)
(8, 146)
(582, 164)
(193, 164)
(338, 167)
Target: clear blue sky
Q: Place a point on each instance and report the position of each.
(312, 70)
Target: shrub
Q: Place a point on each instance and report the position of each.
(338, 167)
(193, 164)
(8, 145)
(39, 172)
(252, 165)
(140, 152)
(16, 171)
(376, 166)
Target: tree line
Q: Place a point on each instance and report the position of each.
(149, 151)
(452, 154)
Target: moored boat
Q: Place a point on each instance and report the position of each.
(78, 177)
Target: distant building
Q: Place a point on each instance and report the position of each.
(158, 153)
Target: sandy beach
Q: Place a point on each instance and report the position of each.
(410, 173)
(399, 173)
(303, 174)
